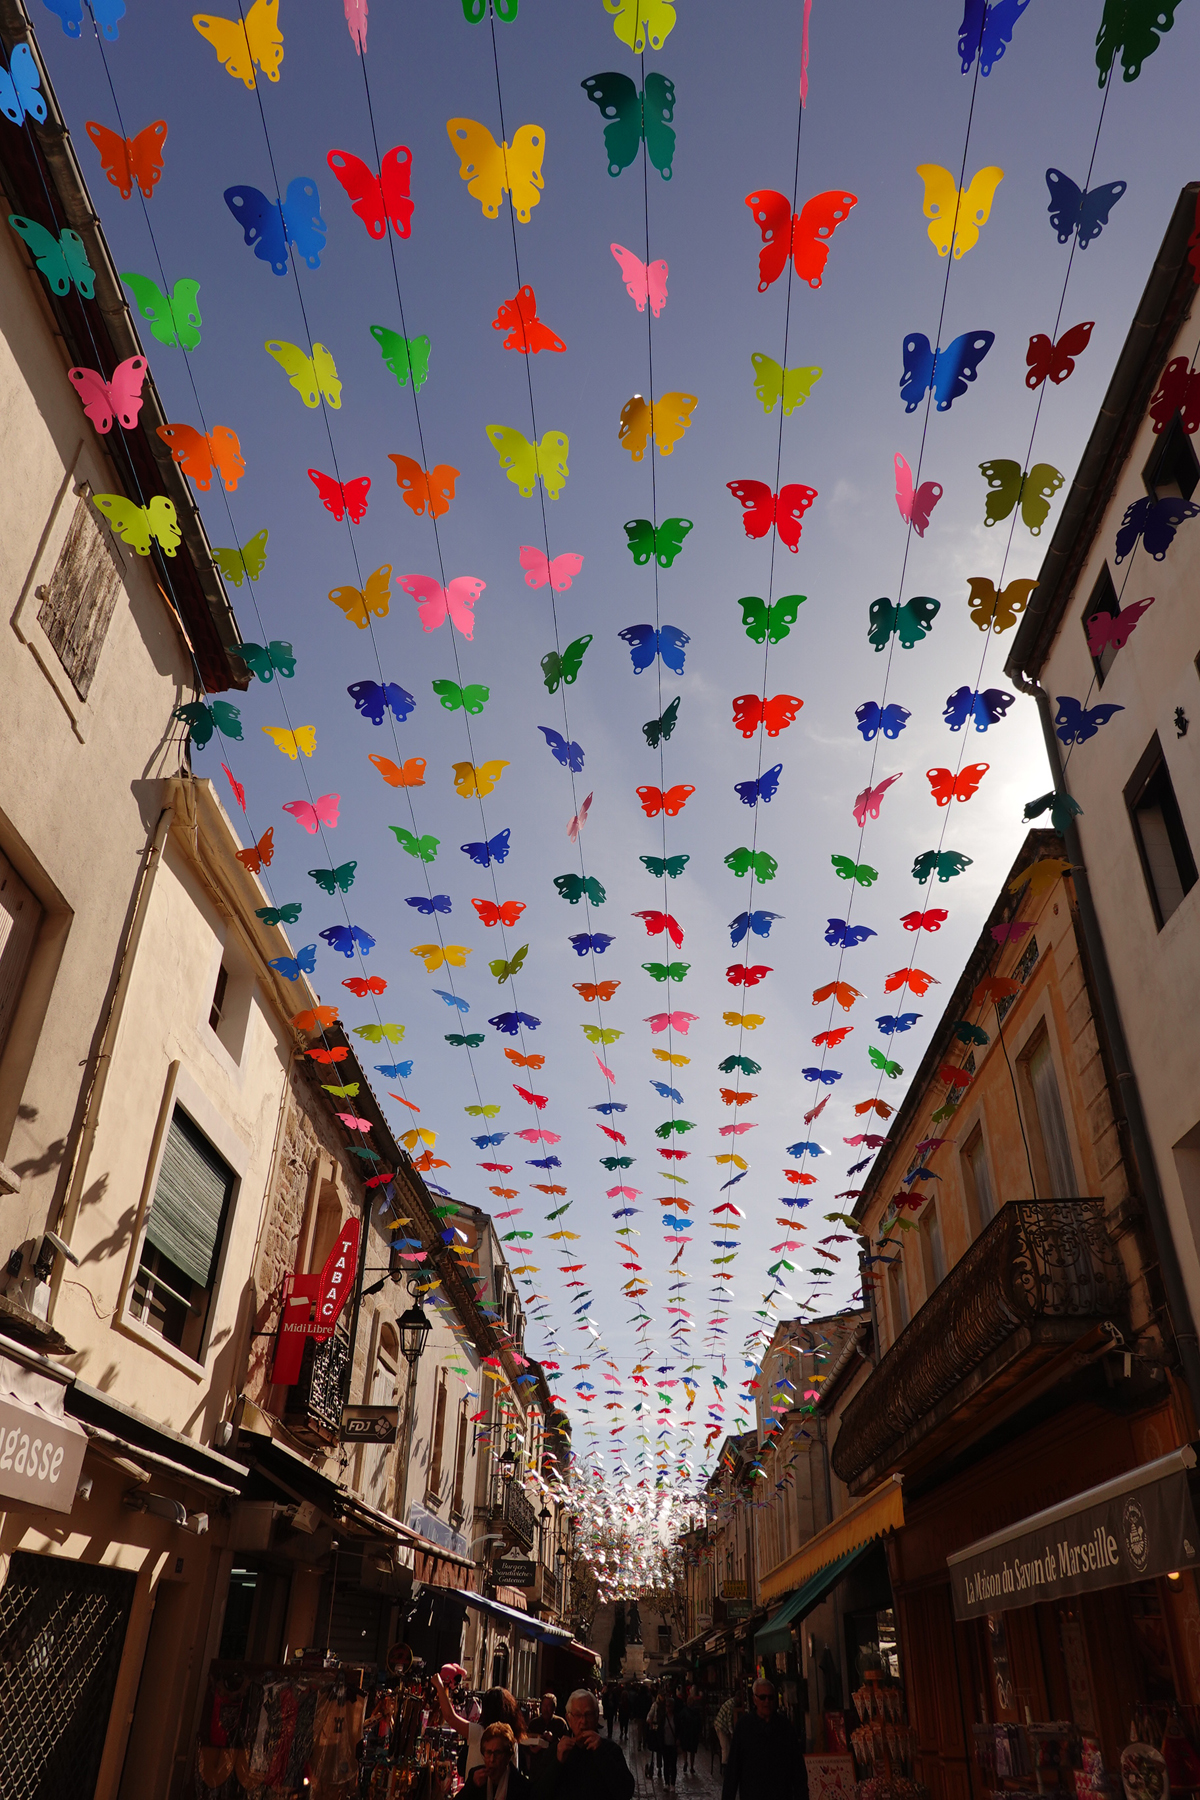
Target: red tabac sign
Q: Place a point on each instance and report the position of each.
(312, 1304)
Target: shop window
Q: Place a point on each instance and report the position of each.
(979, 1178)
(1173, 469)
(433, 1484)
(933, 1250)
(1051, 1120)
(1166, 856)
(1103, 599)
(20, 920)
(184, 1230)
(79, 599)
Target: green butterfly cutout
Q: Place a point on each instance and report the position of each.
(465, 1043)
(349, 1092)
(680, 1125)
(1009, 485)
(617, 1162)
(404, 356)
(665, 542)
(773, 384)
(250, 560)
(849, 870)
(845, 1219)
(264, 659)
(62, 260)
(943, 863)
(880, 1061)
(676, 971)
(556, 668)
(476, 11)
(656, 731)
(745, 862)
(559, 1211)
(279, 915)
(669, 865)
(574, 887)
(745, 1063)
(365, 1155)
(330, 880)
(202, 720)
(424, 847)
(910, 622)
(1061, 807)
(633, 116)
(375, 1034)
(502, 970)
(774, 622)
(172, 321)
(947, 1111)
(1133, 28)
(970, 1034)
(472, 699)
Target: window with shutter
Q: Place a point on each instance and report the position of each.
(1052, 1122)
(80, 599)
(20, 917)
(184, 1229)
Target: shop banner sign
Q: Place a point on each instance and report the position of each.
(312, 1304)
(40, 1458)
(1148, 1531)
(515, 1572)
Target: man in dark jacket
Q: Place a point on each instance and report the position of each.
(765, 1760)
(584, 1766)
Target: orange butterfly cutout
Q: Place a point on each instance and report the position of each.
(673, 801)
(834, 1037)
(916, 979)
(361, 985)
(406, 774)
(507, 913)
(411, 1104)
(330, 1056)
(947, 787)
(126, 160)
(429, 1161)
(841, 991)
(421, 488)
(548, 1187)
(314, 1016)
(505, 1193)
(596, 990)
(878, 1106)
(524, 1062)
(202, 457)
(259, 855)
(731, 1097)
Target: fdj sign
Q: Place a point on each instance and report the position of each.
(370, 1424)
(312, 1304)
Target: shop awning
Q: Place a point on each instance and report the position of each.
(776, 1634)
(1136, 1526)
(880, 1511)
(583, 1651)
(526, 1624)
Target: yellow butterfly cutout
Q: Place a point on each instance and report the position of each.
(471, 778)
(435, 955)
(303, 738)
(999, 610)
(374, 599)
(973, 206)
(638, 20)
(136, 525)
(773, 384)
(751, 1021)
(418, 1135)
(311, 376)
(240, 46)
(731, 1156)
(481, 1112)
(668, 419)
(492, 170)
(1041, 876)
(672, 1056)
(523, 462)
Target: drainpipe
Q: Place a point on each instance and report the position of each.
(1178, 1307)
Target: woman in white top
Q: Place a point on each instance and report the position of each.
(498, 1707)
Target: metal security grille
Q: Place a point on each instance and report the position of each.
(62, 1628)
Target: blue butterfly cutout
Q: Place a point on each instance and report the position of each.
(1155, 522)
(543, 1162)
(347, 938)
(873, 719)
(734, 1179)
(922, 1174)
(569, 755)
(429, 903)
(511, 1022)
(494, 851)
(489, 1143)
(1075, 724)
(893, 1022)
(676, 1224)
(608, 1107)
(395, 1071)
(20, 97)
(811, 1149)
(986, 31)
(645, 644)
(826, 1077)
(271, 226)
(373, 700)
(837, 932)
(668, 1093)
(455, 1000)
(864, 1164)
(1073, 211)
(626, 1212)
(584, 941)
(758, 922)
(764, 789)
(107, 13)
(986, 708)
(292, 967)
(946, 371)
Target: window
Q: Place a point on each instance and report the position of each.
(184, 1229)
(20, 918)
(1103, 600)
(433, 1485)
(218, 1004)
(78, 601)
(1167, 861)
(979, 1177)
(460, 1464)
(898, 1297)
(1173, 467)
(933, 1251)
(1052, 1123)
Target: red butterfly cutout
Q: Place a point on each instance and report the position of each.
(799, 1179)
(833, 1038)
(538, 1100)
(877, 1106)
(239, 792)
(870, 799)
(496, 1168)
(596, 990)
(958, 1078)
(1105, 628)
(657, 922)
(675, 1155)
(611, 1132)
(804, 236)
(341, 499)
(526, 331)
(925, 921)
(1013, 933)
(741, 975)
(654, 800)
(1056, 360)
(947, 787)
(361, 985)
(1178, 391)
(377, 198)
(507, 913)
(259, 855)
(993, 988)
(841, 991)
(329, 1056)
(524, 1062)
(126, 160)
(784, 510)
(776, 714)
(916, 979)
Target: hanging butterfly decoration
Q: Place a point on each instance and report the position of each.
(1055, 360)
(761, 509)
(174, 318)
(492, 170)
(955, 217)
(526, 331)
(643, 281)
(872, 719)
(240, 44)
(804, 236)
(271, 226)
(1155, 522)
(915, 507)
(997, 611)
(910, 622)
(377, 199)
(774, 714)
(986, 31)
(340, 498)
(947, 786)
(947, 372)
(1075, 723)
(1009, 486)
(119, 397)
(1074, 213)
(645, 644)
(635, 118)
(125, 160)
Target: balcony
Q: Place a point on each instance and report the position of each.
(517, 1513)
(1040, 1293)
(313, 1410)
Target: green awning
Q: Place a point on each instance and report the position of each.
(776, 1634)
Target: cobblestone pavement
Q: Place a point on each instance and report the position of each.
(705, 1784)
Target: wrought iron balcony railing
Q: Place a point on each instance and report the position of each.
(318, 1396)
(517, 1513)
(1035, 1279)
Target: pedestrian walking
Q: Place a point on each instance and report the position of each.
(664, 1718)
(727, 1717)
(765, 1762)
(608, 1705)
(689, 1722)
(623, 1703)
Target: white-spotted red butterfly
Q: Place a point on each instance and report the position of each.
(947, 787)
(436, 603)
(915, 507)
(762, 509)
(539, 569)
(804, 236)
(311, 814)
(526, 331)
(377, 198)
(341, 498)
(775, 714)
(673, 801)
(126, 160)
(121, 396)
(506, 913)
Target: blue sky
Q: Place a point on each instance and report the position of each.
(886, 94)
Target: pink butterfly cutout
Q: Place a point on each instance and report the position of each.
(679, 1021)
(1012, 933)
(869, 800)
(353, 1124)
(323, 811)
(643, 281)
(539, 569)
(737, 1129)
(435, 603)
(239, 792)
(1104, 628)
(356, 19)
(819, 1107)
(915, 508)
(580, 820)
(605, 1070)
(121, 396)
(626, 1193)
(547, 1137)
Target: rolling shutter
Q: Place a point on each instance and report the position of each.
(189, 1202)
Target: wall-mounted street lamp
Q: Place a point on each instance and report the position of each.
(413, 1329)
(508, 1463)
